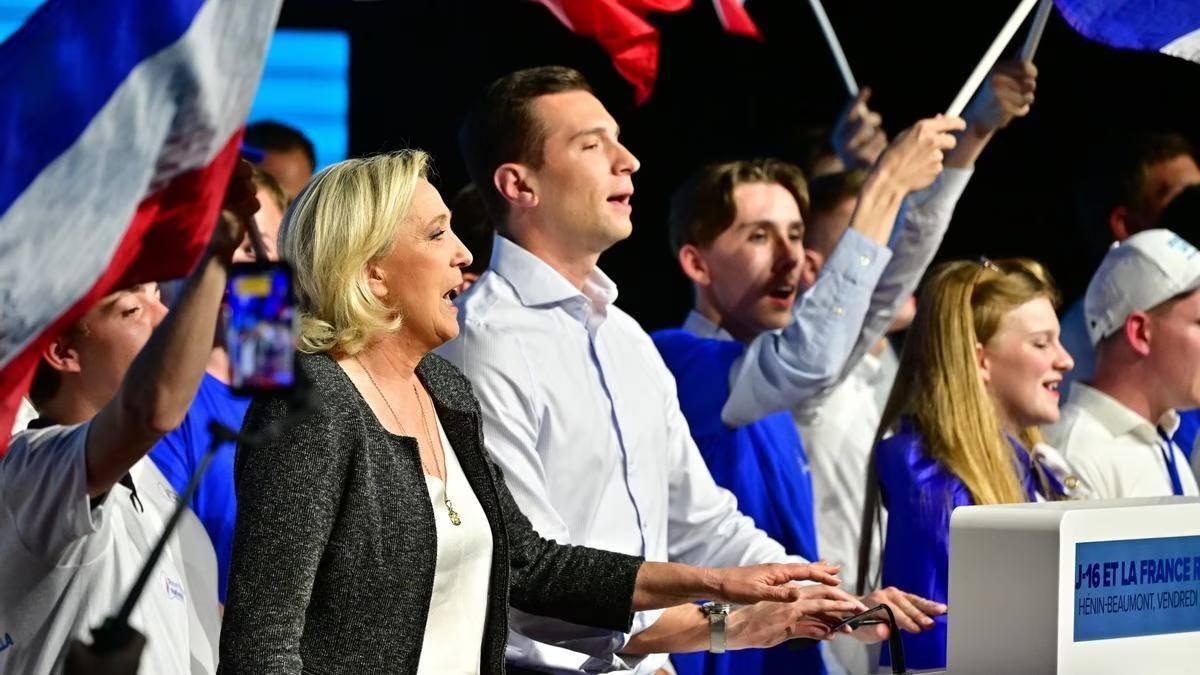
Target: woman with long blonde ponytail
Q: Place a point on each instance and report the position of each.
(979, 372)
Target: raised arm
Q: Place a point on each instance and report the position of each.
(926, 215)
(779, 371)
(163, 379)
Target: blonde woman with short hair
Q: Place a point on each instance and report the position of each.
(979, 373)
(376, 536)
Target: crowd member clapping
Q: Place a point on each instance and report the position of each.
(82, 506)
(376, 535)
(979, 372)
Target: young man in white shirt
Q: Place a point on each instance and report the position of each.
(579, 409)
(1143, 316)
(82, 506)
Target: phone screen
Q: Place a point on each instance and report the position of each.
(260, 327)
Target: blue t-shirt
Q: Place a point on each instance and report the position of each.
(762, 463)
(178, 455)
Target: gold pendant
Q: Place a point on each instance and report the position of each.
(453, 514)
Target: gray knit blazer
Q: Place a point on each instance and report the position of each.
(335, 546)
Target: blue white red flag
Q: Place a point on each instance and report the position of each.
(1167, 26)
(624, 31)
(120, 122)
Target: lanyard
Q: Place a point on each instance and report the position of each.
(1168, 454)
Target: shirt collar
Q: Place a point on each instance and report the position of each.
(537, 283)
(700, 325)
(1116, 418)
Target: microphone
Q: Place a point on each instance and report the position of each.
(868, 618)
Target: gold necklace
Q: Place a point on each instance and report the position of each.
(454, 519)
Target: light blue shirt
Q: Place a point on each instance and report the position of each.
(846, 311)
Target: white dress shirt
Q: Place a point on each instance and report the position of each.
(581, 414)
(1116, 451)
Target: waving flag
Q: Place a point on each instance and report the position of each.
(734, 18)
(119, 126)
(1167, 26)
(621, 28)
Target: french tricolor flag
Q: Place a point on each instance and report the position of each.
(1168, 26)
(622, 29)
(120, 122)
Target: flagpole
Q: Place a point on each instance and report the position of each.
(1036, 29)
(990, 57)
(835, 46)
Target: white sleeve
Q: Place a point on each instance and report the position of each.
(43, 486)
(704, 525)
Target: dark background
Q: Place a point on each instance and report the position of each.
(416, 65)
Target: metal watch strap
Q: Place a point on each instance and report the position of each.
(716, 612)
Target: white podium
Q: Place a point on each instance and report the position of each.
(1075, 587)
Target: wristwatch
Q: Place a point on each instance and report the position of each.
(716, 612)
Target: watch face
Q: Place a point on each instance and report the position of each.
(716, 608)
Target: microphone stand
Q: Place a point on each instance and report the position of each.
(116, 646)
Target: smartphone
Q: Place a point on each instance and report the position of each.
(260, 327)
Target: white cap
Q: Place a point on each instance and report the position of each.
(1138, 274)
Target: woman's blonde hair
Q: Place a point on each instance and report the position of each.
(348, 215)
(938, 383)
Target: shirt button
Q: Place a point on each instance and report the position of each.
(837, 310)
(864, 261)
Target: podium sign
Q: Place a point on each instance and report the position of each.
(1075, 587)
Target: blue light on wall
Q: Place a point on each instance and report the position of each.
(305, 82)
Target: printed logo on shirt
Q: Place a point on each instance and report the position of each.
(6, 643)
(174, 589)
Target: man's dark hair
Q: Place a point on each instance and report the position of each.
(1182, 215)
(275, 136)
(703, 207)
(1116, 176)
(471, 223)
(501, 127)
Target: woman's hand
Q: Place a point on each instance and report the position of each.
(769, 582)
(667, 584)
(770, 623)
